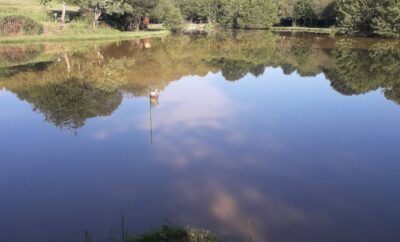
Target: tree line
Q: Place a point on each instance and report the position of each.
(355, 17)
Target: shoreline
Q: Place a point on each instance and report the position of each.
(81, 37)
(304, 30)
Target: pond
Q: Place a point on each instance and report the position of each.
(251, 135)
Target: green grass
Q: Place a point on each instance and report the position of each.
(29, 8)
(305, 29)
(72, 31)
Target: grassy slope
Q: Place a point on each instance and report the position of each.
(72, 31)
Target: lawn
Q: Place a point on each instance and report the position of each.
(74, 30)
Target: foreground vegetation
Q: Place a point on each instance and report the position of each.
(168, 233)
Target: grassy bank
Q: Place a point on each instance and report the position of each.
(304, 29)
(80, 37)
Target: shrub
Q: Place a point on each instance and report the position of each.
(19, 25)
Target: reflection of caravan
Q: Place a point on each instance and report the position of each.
(143, 43)
(153, 95)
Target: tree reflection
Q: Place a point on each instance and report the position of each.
(358, 71)
(71, 85)
(70, 103)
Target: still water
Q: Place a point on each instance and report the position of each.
(269, 137)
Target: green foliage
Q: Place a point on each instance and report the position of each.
(97, 9)
(307, 12)
(387, 20)
(256, 14)
(170, 15)
(140, 9)
(200, 10)
(286, 9)
(230, 13)
(304, 11)
(47, 2)
(19, 25)
(251, 14)
(355, 16)
(369, 17)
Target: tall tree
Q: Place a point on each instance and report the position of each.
(98, 8)
(170, 15)
(140, 9)
(387, 19)
(304, 10)
(249, 13)
(286, 11)
(258, 14)
(230, 13)
(355, 16)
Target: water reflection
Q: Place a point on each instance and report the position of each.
(354, 66)
(247, 138)
(96, 75)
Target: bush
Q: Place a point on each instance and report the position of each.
(19, 25)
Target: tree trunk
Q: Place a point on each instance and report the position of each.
(97, 14)
(64, 10)
(138, 23)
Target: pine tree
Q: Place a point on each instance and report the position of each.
(258, 14)
(387, 20)
(355, 16)
(170, 15)
(304, 10)
(230, 13)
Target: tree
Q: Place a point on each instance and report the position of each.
(64, 9)
(304, 11)
(258, 14)
(369, 17)
(230, 13)
(387, 20)
(286, 11)
(200, 10)
(355, 16)
(98, 8)
(140, 9)
(170, 15)
(249, 13)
